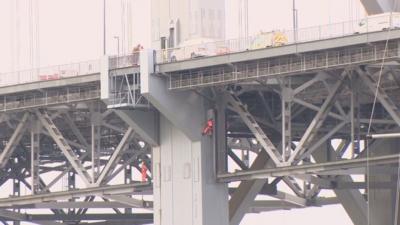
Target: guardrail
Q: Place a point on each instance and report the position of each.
(50, 73)
(66, 70)
(124, 61)
(366, 25)
(49, 97)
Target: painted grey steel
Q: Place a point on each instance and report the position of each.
(188, 174)
(380, 6)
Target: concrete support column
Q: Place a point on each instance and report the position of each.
(382, 202)
(185, 191)
(185, 188)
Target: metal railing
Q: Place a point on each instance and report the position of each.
(49, 97)
(123, 61)
(127, 99)
(50, 73)
(66, 70)
(335, 30)
(294, 64)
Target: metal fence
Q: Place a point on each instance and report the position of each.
(366, 25)
(49, 97)
(208, 49)
(123, 61)
(66, 70)
(50, 73)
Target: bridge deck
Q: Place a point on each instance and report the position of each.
(288, 59)
(281, 61)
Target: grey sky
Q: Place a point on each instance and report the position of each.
(71, 31)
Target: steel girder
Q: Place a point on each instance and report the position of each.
(342, 115)
(70, 124)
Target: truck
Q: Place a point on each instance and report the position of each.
(378, 22)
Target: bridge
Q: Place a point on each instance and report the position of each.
(77, 135)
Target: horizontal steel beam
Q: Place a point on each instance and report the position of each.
(73, 205)
(141, 218)
(308, 169)
(379, 136)
(95, 191)
(273, 205)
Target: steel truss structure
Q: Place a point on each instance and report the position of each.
(69, 152)
(286, 127)
(305, 119)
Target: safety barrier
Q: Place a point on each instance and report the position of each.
(50, 73)
(66, 70)
(49, 97)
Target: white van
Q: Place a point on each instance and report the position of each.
(378, 22)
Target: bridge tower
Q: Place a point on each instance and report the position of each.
(176, 21)
(380, 6)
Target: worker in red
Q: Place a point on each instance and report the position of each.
(208, 129)
(144, 172)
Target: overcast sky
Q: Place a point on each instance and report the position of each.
(71, 31)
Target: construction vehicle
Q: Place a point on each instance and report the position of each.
(269, 39)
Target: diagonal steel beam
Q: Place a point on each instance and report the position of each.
(322, 140)
(126, 162)
(338, 106)
(14, 140)
(318, 120)
(316, 108)
(247, 191)
(383, 98)
(267, 109)
(75, 130)
(352, 200)
(255, 128)
(72, 143)
(236, 159)
(116, 156)
(64, 146)
(307, 84)
(62, 174)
